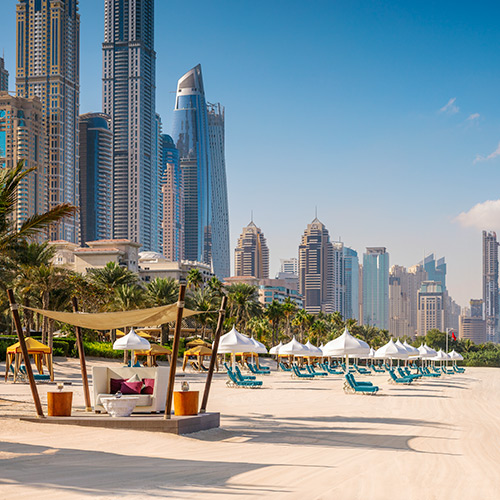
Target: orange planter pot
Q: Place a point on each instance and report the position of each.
(186, 403)
(59, 404)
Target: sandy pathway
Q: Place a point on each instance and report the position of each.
(293, 439)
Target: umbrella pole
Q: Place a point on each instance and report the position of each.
(175, 352)
(81, 355)
(24, 349)
(213, 358)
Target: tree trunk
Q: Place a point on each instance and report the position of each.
(45, 321)
(50, 339)
(164, 334)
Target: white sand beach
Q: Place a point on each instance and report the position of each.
(438, 439)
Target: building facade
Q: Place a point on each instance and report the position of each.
(172, 201)
(339, 287)
(221, 258)
(96, 150)
(129, 80)
(351, 273)
(47, 66)
(251, 255)
(190, 135)
(376, 287)
(431, 307)
(316, 269)
(22, 137)
(289, 266)
(399, 302)
(490, 284)
(4, 76)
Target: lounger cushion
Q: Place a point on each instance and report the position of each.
(131, 387)
(134, 378)
(149, 386)
(115, 385)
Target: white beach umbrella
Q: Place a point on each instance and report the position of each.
(391, 351)
(276, 348)
(413, 351)
(424, 352)
(261, 348)
(441, 356)
(294, 348)
(346, 345)
(131, 342)
(455, 356)
(233, 342)
(315, 351)
(431, 351)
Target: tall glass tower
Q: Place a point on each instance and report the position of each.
(221, 259)
(96, 143)
(351, 264)
(47, 66)
(129, 61)
(190, 134)
(490, 284)
(376, 287)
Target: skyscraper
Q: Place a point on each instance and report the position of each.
(129, 61)
(289, 266)
(4, 77)
(190, 134)
(221, 259)
(376, 287)
(436, 270)
(338, 277)
(96, 150)
(431, 307)
(172, 201)
(22, 137)
(490, 284)
(316, 269)
(251, 255)
(48, 38)
(351, 271)
(399, 302)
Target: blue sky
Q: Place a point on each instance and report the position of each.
(386, 115)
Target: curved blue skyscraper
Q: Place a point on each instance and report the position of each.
(190, 134)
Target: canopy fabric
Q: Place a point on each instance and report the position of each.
(409, 352)
(314, 350)
(131, 341)
(197, 342)
(33, 345)
(234, 341)
(391, 350)
(413, 351)
(441, 356)
(200, 350)
(430, 350)
(455, 355)
(424, 352)
(108, 321)
(121, 333)
(259, 346)
(346, 344)
(294, 348)
(155, 350)
(276, 348)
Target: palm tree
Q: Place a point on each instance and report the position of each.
(274, 313)
(216, 286)
(194, 278)
(260, 328)
(319, 329)
(303, 320)
(129, 297)
(289, 308)
(243, 303)
(204, 300)
(112, 276)
(161, 292)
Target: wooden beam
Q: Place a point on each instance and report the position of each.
(213, 358)
(24, 349)
(81, 355)
(175, 352)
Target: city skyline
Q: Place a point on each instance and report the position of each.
(419, 117)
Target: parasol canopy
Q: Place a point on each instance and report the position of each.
(131, 342)
(261, 348)
(294, 348)
(234, 341)
(413, 351)
(391, 351)
(315, 351)
(345, 345)
(455, 356)
(276, 348)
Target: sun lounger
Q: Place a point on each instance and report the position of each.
(458, 369)
(235, 382)
(296, 373)
(243, 377)
(258, 371)
(448, 372)
(284, 368)
(330, 370)
(311, 370)
(377, 369)
(403, 374)
(428, 372)
(361, 370)
(402, 380)
(352, 386)
(344, 368)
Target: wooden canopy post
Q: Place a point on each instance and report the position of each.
(213, 358)
(24, 349)
(81, 355)
(175, 352)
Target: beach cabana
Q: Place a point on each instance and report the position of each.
(198, 342)
(346, 345)
(141, 333)
(234, 342)
(152, 353)
(41, 353)
(200, 352)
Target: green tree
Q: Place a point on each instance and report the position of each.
(194, 278)
(243, 303)
(128, 297)
(274, 313)
(112, 276)
(289, 309)
(303, 320)
(161, 292)
(206, 301)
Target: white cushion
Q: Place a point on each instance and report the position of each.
(144, 399)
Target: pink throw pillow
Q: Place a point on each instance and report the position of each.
(148, 387)
(131, 387)
(115, 385)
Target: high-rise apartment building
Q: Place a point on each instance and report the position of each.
(435, 269)
(251, 255)
(376, 287)
(22, 137)
(399, 302)
(339, 294)
(490, 284)
(289, 266)
(351, 273)
(47, 66)
(96, 151)
(473, 326)
(172, 201)
(316, 269)
(190, 135)
(4, 77)
(221, 259)
(129, 61)
(431, 307)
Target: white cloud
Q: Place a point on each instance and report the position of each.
(481, 216)
(451, 108)
(491, 156)
(473, 117)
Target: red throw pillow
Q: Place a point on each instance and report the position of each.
(131, 387)
(149, 386)
(115, 385)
